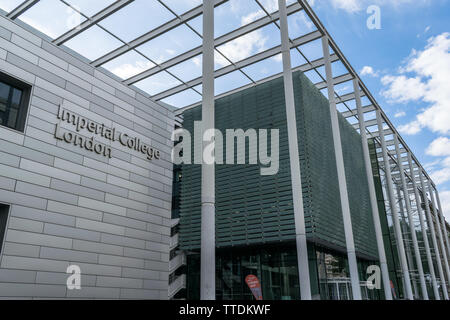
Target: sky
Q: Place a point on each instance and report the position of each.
(405, 63)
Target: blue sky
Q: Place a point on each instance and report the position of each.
(405, 64)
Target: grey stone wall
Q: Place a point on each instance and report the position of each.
(70, 206)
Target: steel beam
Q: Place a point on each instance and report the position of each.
(294, 158)
(372, 194)
(311, 14)
(24, 6)
(185, 18)
(394, 210)
(354, 112)
(345, 205)
(444, 228)
(441, 240)
(208, 185)
(233, 67)
(412, 227)
(405, 235)
(432, 230)
(424, 232)
(114, 7)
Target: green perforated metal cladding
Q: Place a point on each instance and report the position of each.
(256, 209)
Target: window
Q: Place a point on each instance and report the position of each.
(4, 210)
(14, 99)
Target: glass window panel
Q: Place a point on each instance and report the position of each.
(197, 24)
(299, 24)
(296, 58)
(93, 43)
(220, 61)
(158, 83)
(16, 98)
(10, 105)
(251, 43)
(230, 82)
(52, 17)
(234, 14)
(183, 99)
(171, 44)
(9, 5)
(272, 5)
(265, 68)
(180, 7)
(4, 92)
(137, 18)
(128, 65)
(313, 76)
(12, 119)
(312, 50)
(189, 69)
(344, 88)
(338, 69)
(89, 7)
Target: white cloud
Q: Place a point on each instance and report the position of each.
(439, 147)
(444, 196)
(425, 78)
(368, 71)
(347, 5)
(403, 89)
(242, 47)
(411, 128)
(129, 70)
(400, 114)
(355, 6)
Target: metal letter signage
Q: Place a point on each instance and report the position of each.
(90, 144)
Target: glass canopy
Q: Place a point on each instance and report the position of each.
(156, 46)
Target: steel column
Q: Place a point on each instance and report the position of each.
(372, 194)
(424, 231)
(431, 228)
(410, 218)
(299, 214)
(208, 232)
(409, 257)
(345, 205)
(394, 211)
(444, 228)
(441, 240)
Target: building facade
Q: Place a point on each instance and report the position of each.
(255, 232)
(85, 177)
(92, 206)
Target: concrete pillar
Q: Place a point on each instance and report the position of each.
(345, 205)
(393, 205)
(372, 194)
(294, 158)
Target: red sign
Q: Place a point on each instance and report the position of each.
(255, 286)
(393, 290)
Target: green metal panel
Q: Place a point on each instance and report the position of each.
(255, 209)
